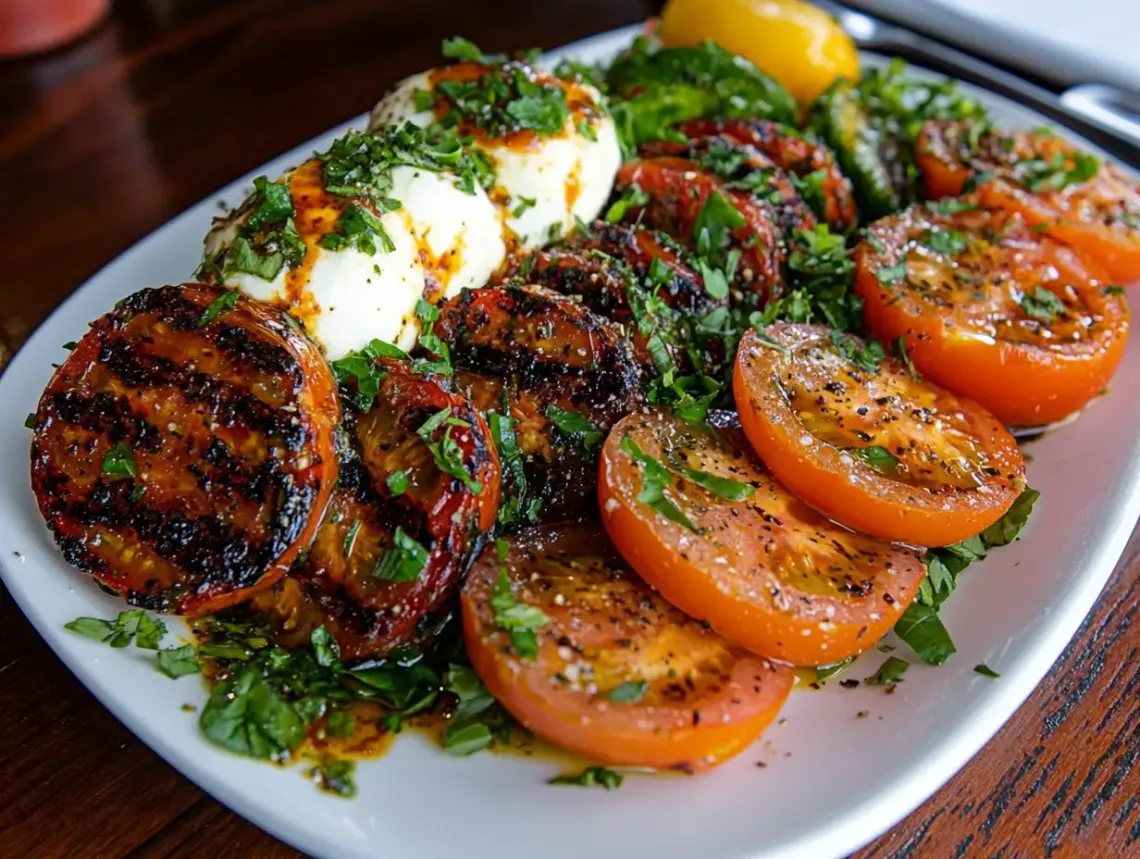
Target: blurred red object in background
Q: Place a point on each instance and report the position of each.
(31, 26)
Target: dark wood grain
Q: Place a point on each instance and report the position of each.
(102, 142)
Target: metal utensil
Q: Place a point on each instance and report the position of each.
(1096, 114)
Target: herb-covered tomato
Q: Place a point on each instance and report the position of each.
(1068, 194)
(183, 454)
(584, 653)
(419, 483)
(556, 377)
(992, 309)
(860, 438)
(699, 518)
(732, 232)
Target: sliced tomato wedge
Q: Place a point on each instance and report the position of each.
(699, 518)
(865, 442)
(822, 184)
(609, 669)
(993, 310)
(419, 484)
(1066, 193)
(681, 199)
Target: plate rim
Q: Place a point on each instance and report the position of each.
(856, 827)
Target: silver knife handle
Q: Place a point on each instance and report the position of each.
(1113, 109)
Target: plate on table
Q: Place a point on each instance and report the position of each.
(838, 768)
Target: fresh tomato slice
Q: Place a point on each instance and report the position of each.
(993, 310)
(695, 207)
(419, 484)
(613, 671)
(808, 160)
(700, 519)
(1066, 193)
(865, 442)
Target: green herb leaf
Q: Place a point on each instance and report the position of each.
(520, 621)
(903, 355)
(241, 258)
(725, 487)
(576, 426)
(865, 356)
(654, 480)
(120, 462)
(952, 206)
(950, 242)
(824, 672)
(1042, 304)
(523, 204)
(397, 482)
(889, 274)
(889, 673)
(336, 777)
(359, 229)
(1005, 530)
(986, 671)
(91, 627)
(631, 198)
(629, 692)
(876, 456)
(177, 662)
(325, 647)
(350, 537)
(591, 777)
(922, 630)
(404, 562)
(464, 683)
(446, 452)
(466, 738)
(245, 715)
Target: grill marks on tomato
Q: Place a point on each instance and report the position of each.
(542, 359)
(227, 432)
(429, 530)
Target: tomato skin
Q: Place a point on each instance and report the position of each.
(991, 350)
(1096, 216)
(678, 189)
(769, 573)
(903, 506)
(703, 701)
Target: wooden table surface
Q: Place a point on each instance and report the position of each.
(168, 100)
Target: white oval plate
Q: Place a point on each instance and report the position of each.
(832, 780)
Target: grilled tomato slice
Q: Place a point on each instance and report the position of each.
(699, 518)
(1068, 194)
(641, 279)
(816, 173)
(992, 309)
(728, 226)
(183, 454)
(556, 375)
(419, 484)
(861, 439)
(584, 653)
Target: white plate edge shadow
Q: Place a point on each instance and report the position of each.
(879, 810)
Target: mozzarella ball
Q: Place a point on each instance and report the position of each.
(547, 179)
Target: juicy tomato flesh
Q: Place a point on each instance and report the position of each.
(748, 556)
(351, 581)
(618, 675)
(185, 459)
(794, 154)
(1067, 194)
(679, 190)
(993, 310)
(868, 444)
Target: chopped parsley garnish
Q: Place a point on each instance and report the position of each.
(446, 452)
(654, 479)
(1112, 289)
(430, 342)
(629, 692)
(711, 234)
(466, 738)
(145, 632)
(524, 203)
(359, 229)
(1057, 173)
(1042, 304)
(397, 482)
(520, 621)
(866, 356)
(889, 274)
(220, 306)
(920, 626)
(725, 487)
(120, 462)
(30, 422)
(825, 672)
(591, 777)
(336, 776)
(404, 562)
(267, 238)
(889, 673)
(177, 662)
(464, 50)
(876, 456)
(952, 206)
(903, 355)
(949, 242)
(576, 426)
(986, 671)
(516, 509)
(361, 368)
(631, 198)
(350, 537)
